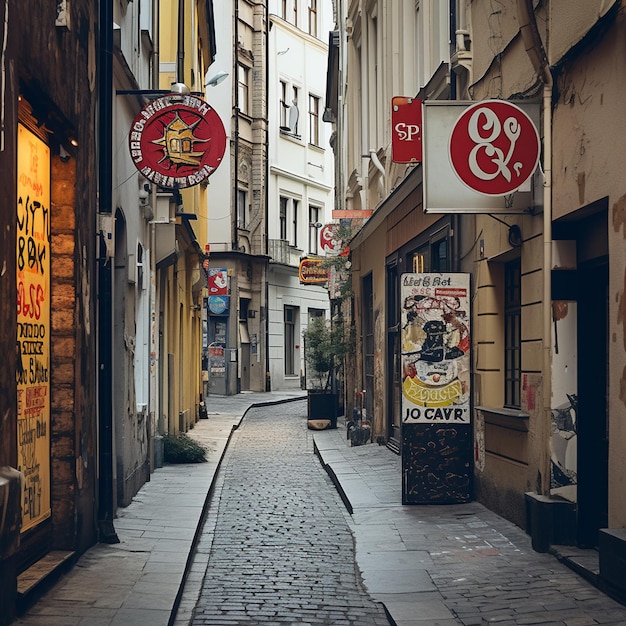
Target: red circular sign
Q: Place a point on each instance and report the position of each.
(494, 147)
(177, 141)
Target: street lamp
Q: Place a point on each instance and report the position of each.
(216, 79)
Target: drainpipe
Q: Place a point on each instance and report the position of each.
(154, 317)
(106, 530)
(364, 120)
(538, 57)
(180, 52)
(268, 378)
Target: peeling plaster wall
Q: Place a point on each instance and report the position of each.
(589, 157)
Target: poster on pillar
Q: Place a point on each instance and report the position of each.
(436, 416)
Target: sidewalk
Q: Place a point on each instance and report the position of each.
(441, 565)
(137, 581)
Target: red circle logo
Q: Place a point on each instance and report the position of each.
(494, 147)
(177, 141)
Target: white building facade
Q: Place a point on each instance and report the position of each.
(301, 178)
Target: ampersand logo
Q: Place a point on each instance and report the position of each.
(494, 147)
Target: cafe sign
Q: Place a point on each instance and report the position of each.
(177, 141)
(311, 271)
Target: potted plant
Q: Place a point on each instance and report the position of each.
(325, 345)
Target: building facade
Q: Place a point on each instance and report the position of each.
(103, 278)
(546, 365)
(301, 180)
(48, 210)
(279, 183)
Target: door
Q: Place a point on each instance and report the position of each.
(368, 346)
(591, 411)
(394, 382)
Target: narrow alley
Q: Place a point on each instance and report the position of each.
(281, 550)
(260, 535)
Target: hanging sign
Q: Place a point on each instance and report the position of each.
(218, 305)
(177, 141)
(218, 281)
(480, 157)
(406, 130)
(311, 271)
(494, 147)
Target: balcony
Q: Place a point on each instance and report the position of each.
(281, 251)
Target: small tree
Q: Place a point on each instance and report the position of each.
(325, 345)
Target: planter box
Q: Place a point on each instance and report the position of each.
(321, 407)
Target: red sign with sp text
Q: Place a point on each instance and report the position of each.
(406, 130)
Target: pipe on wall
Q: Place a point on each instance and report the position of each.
(538, 57)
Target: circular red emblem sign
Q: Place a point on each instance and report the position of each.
(494, 147)
(177, 141)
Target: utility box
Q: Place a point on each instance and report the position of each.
(10, 526)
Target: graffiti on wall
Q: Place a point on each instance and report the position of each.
(33, 325)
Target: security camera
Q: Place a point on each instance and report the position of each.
(63, 154)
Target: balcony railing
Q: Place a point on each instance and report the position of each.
(282, 252)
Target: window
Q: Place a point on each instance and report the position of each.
(314, 220)
(512, 333)
(439, 256)
(242, 209)
(288, 219)
(283, 217)
(243, 87)
(313, 18)
(295, 12)
(284, 105)
(314, 120)
(283, 9)
(294, 223)
(290, 317)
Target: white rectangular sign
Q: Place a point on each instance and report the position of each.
(444, 192)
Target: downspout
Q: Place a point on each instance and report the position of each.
(236, 100)
(268, 378)
(180, 52)
(364, 119)
(538, 57)
(155, 409)
(106, 530)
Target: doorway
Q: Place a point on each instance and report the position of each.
(592, 406)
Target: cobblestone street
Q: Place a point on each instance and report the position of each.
(279, 546)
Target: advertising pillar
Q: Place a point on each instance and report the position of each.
(436, 417)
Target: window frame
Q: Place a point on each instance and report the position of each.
(312, 13)
(314, 120)
(314, 217)
(289, 338)
(512, 333)
(243, 88)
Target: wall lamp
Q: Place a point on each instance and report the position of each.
(216, 79)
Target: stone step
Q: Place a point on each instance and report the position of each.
(47, 570)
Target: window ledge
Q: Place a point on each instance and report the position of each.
(513, 419)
